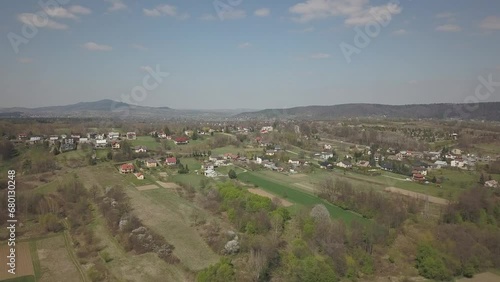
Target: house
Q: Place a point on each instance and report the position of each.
(327, 147)
(115, 145)
(456, 151)
(440, 164)
(181, 140)
(171, 161)
(294, 162)
(76, 136)
(67, 147)
(139, 176)
(266, 129)
(210, 173)
(141, 149)
(325, 156)
(22, 136)
(53, 139)
(113, 135)
(270, 152)
(100, 137)
(131, 136)
(344, 164)
(418, 177)
(457, 163)
(35, 139)
(491, 184)
(99, 143)
(68, 141)
(387, 166)
(363, 164)
(208, 166)
(258, 160)
(151, 163)
(162, 135)
(83, 140)
(127, 168)
(229, 156)
(419, 170)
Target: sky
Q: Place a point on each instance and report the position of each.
(227, 54)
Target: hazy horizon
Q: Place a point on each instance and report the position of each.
(248, 54)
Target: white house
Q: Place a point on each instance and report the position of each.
(327, 147)
(294, 162)
(326, 156)
(440, 164)
(113, 135)
(344, 164)
(210, 173)
(100, 143)
(457, 163)
(141, 149)
(83, 140)
(258, 160)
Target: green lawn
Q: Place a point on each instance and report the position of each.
(147, 141)
(192, 163)
(235, 150)
(191, 179)
(299, 197)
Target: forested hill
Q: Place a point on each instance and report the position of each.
(480, 111)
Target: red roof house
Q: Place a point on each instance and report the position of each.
(126, 168)
(181, 140)
(171, 161)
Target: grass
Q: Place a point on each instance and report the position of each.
(191, 179)
(168, 214)
(28, 278)
(299, 197)
(147, 141)
(137, 182)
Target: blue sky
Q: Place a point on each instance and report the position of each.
(248, 54)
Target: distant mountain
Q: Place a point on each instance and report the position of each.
(480, 111)
(109, 109)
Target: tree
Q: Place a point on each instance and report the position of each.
(223, 271)
(232, 174)
(195, 135)
(166, 130)
(481, 179)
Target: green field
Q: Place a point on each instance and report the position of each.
(147, 141)
(298, 197)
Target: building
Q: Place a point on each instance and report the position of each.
(22, 136)
(139, 176)
(115, 145)
(141, 149)
(456, 151)
(344, 164)
(171, 161)
(181, 141)
(113, 135)
(327, 147)
(151, 163)
(440, 164)
(491, 184)
(127, 168)
(101, 143)
(266, 129)
(83, 140)
(418, 177)
(131, 136)
(210, 173)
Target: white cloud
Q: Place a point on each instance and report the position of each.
(320, 56)
(70, 13)
(92, 46)
(445, 15)
(490, 22)
(76, 9)
(24, 60)
(356, 12)
(399, 32)
(208, 17)
(40, 21)
(244, 45)
(116, 5)
(263, 12)
(449, 28)
(139, 47)
(233, 14)
(165, 9)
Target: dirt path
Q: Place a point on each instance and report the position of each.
(435, 200)
(263, 193)
(482, 277)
